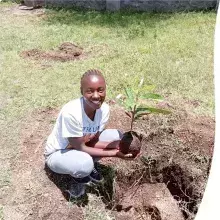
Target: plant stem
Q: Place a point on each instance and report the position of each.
(132, 118)
(133, 112)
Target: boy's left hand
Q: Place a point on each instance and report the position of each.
(91, 137)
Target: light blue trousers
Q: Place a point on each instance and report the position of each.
(78, 163)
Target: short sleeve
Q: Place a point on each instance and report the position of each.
(105, 117)
(70, 127)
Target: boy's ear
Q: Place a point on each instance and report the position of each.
(81, 90)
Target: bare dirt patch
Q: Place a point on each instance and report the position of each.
(17, 10)
(151, 201)
(176, 152)
(66, 51)
(33, 195)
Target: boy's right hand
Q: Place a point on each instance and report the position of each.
(123, 156)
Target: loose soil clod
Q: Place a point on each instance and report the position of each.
(67, 51)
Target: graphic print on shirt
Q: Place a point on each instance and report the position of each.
(90, 130)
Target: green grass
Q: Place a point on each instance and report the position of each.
(96, 210)
(1, 213)
(173, 51)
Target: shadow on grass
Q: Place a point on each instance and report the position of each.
(124, 18)
(63, 182)
(104, 190)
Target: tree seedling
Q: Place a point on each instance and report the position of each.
(135, 104)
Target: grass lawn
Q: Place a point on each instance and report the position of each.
(172, 51)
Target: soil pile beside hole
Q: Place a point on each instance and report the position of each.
(151, 201)
(176, 151)
(66, 51)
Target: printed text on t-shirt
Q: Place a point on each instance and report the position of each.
(90, 129)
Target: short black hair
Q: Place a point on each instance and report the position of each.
(91, 72)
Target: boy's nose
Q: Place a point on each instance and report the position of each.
(96, 94)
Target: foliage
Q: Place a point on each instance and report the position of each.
(135, 101)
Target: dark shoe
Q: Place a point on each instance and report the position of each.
(77, 187)
(76, 190)
(83, 180)
(95, 176)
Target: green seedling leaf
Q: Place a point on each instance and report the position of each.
(158, 110)
(145, 88)
(130, 99)
(152, 96)
(129, 93)
(124, 101)
(138, 115)
(129, 105)
(141, 111)
(135, 99)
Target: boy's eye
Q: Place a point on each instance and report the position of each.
(101, 90)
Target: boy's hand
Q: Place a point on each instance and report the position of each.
(123, 156)
(91, 137)
(88, 137)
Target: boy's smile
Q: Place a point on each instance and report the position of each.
(93, 89)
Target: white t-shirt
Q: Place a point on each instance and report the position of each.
(72, 121)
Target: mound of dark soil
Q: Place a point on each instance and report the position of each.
(66, 52)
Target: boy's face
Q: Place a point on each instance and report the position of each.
(93, 89)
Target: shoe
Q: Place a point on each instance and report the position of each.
(84, 180)
(95, 176)
(76, 190)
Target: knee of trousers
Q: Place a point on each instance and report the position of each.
(85, 166)
(110, 135)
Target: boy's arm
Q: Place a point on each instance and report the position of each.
(104, 145)
(93, 141)
(79, 144)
